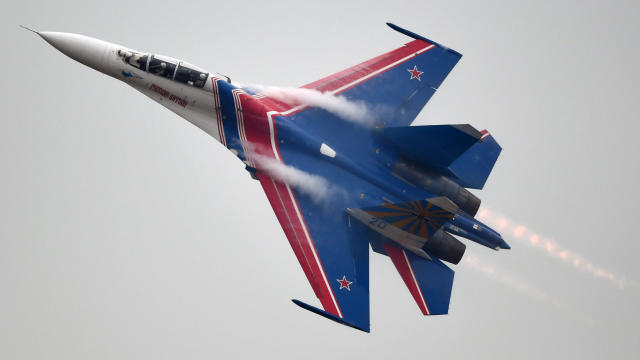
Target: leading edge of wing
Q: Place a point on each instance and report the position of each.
(354, 75)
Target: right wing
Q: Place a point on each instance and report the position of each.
(397, 84)
(333, 254)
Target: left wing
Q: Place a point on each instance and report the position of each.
(333, 254)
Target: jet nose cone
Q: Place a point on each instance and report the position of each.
(89, 51)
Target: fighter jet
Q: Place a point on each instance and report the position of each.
(342, 173)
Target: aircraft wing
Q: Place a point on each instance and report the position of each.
(397, 84)
(333, 251)
(333, 254)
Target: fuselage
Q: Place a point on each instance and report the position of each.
(259, 129)
(177, 85)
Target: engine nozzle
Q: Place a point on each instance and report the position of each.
(445, 247)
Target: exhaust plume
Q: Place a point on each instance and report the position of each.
(549, 247)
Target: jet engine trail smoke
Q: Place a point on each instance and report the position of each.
(548, 246)
(354, 111)
(314, 186)
(507, 278)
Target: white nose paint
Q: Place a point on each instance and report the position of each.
(96, 54)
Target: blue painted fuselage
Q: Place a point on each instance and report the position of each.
(361, 171)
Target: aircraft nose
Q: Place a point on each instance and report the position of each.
(89, 51)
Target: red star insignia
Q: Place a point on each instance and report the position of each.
(415, 73)
(344, 283)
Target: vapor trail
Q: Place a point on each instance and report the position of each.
(549, 247)
(514, 282)
(354, 111)
(314, 186)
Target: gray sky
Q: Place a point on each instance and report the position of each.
(128, 233)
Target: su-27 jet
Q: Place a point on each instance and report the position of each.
(342, 173)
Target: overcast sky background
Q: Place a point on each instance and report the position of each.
(128, 233)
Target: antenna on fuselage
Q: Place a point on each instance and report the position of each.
(226, 77)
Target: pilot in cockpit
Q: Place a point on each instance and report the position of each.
(166, 67)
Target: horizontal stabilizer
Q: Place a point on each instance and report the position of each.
(429, 282)
(472, 168)
(460, 152)
(432, 146)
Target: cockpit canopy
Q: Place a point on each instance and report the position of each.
(167, 67)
